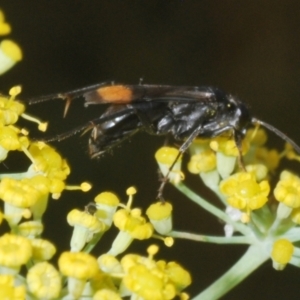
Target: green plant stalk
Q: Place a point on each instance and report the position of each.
(249, 262)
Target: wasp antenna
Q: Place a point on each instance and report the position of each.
(277, 132)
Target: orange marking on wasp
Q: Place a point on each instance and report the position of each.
(115, 93)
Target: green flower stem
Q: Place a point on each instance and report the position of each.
(249, 262)
(213, 210)
(16, 176)
(93, 242)
(212, 239)
(292, 234)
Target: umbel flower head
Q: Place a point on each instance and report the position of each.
(253, 213)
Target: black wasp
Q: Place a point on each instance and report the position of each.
(185, 112)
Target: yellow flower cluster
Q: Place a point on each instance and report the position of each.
(263, 218)
(25, 196)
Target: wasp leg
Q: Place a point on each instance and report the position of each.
(182, 149)
(238, 142)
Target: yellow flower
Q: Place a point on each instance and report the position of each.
(160, 216)
(131, 221)
(270, 158)
(282, 253)
(78, 267)
(9, 291)
(287, 190)
(106, 204)
(42, 249)
(15, 251)
(30, 229)
(295, 215)
(10, 54)
(165, 158)
(18, 192)
(109, 264)
(153, 280)
(44, 281)
(227, 146)
(4, 27)
(85, 226)
(256, 136)
(202, 162)
(48, 161)
(10, 110)
(149, 283)
(179, 276)
(17, 195)
(106, 294)
(244, 193)
(103, 281)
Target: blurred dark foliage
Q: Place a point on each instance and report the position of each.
(248, 48)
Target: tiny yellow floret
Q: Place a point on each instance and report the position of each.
(167, 155)
(4, 27)
(44, 281)
(244, 193)
(78, 265)
(106, 294)
(107, 198)
(202, 162)
(159, 210)
(287, 189)
(15, 251)
(42, 249)
(282, 253)
(8, 289)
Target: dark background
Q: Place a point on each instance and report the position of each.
(248, 48)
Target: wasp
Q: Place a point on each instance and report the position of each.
(184, 112)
